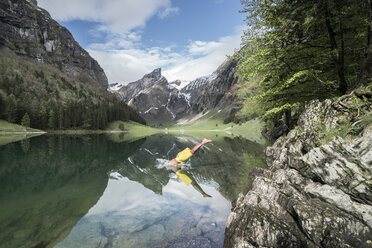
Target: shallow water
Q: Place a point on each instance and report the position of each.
(88, 191)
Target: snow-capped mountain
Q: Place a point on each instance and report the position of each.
(213, 91)
(157, 100)
(154, 98)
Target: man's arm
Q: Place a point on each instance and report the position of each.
(205, 141)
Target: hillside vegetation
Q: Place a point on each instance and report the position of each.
(41, 96)
(297, 51)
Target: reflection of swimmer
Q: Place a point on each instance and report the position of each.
(185, 177)
(189, 179)
(187, 153)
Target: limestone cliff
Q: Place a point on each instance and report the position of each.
(29, 30)
(214, 91)
(313, 195)
(156, 99)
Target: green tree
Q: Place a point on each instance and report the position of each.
(10, 111)
(51, 119)
(296, 51)
(25, 120)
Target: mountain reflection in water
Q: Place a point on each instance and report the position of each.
(87, 191)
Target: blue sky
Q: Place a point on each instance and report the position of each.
(186, 38)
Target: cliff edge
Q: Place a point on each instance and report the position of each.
(315, 193)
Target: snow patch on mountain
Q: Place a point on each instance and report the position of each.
(187, 97)
(169, 98)
(200, 82)
(115, 86)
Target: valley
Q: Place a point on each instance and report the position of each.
(148, 124)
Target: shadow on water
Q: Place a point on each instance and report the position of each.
(88, 191)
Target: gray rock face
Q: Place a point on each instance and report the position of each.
(312, 196)
(156, 99)
(131, 90)
(214, 91)
(29, 31)
(161, 101)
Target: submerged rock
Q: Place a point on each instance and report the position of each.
(313, 195)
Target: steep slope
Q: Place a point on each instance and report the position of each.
(47, 81)
(154, 98)
(211, 91)
(157, 100)
(315, 193)
(29, 30)
(131, 90)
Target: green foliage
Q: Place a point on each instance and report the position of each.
(53, 100)
(344, 130)
(25, 120)
(121, 126)
(296, 51)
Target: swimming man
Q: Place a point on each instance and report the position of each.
(185, 177)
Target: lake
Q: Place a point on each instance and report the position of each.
(103, 191)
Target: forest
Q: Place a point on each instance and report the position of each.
(296, 51)
(41, 96)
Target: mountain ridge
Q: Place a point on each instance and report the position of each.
(157, 99)
(30, 31)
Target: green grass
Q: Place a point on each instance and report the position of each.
(7, 127)
(10, 132)
(211, 124)
(344, 130)
(130, 131)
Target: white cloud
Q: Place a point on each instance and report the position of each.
(202, 47)
(201, 58)
(168, 11)
(122, 55)
(117, 16)
(215, 53)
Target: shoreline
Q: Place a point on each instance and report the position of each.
(314, 191)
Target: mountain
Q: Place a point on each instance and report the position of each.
(156, 99)
(29, 31)
(214, 91)
(47, 81)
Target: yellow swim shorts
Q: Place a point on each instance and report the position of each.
(184, 178)
(184, 155)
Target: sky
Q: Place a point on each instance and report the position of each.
(129, 38)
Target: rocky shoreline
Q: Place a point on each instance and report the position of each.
(313, 194)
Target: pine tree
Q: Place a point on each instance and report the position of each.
(51, 119)
(25, 120)
(10, 111)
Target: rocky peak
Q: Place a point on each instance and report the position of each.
(29, 31)
(155, 74)
(34, 2)
(176, 82)
(155, 98)
(131, 90)
(209, 92)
